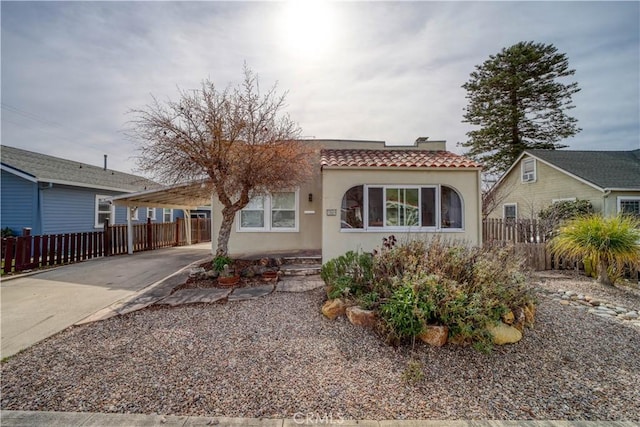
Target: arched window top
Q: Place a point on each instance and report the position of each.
(450, 208)
(351, 216)
(401, 207)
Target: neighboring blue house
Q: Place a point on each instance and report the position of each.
(53, 195)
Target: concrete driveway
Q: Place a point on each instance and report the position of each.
(38, 306)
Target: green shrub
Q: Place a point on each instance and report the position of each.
(432, 282)
(355, 266)
(220, 261)
(402, 314)
(555, 214)
(342, 287)
(369, 300)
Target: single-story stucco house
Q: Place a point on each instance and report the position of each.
(359, 193)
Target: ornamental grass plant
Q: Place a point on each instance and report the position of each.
(607, 243)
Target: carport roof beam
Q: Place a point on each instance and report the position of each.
(180, 196)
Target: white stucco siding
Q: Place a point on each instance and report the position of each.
(337, 181)
(308, 236)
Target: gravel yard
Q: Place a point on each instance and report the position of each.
(277, 356)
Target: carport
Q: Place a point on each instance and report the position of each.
(185, 196)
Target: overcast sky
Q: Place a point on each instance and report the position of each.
(380, 71)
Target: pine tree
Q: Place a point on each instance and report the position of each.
(519, 101)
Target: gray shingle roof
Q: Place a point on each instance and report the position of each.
(46, 168)
(605, 169)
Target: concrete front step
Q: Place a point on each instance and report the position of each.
(303, 259)
(300, 269)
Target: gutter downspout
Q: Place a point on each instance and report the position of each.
(607, 192)
(187, 225)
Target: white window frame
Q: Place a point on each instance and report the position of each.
(384, 207)
(417, 228)
(166, 211)
(151, 214)
(620, 199)
(97, 211)
(534, 176)
(134, 214)
(267, 206)
(505, 205)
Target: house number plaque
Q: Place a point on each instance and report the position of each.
(332, 212)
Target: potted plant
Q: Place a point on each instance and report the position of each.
(227, 275)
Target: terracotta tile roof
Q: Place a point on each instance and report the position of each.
(394, 158)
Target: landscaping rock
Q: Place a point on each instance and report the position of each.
(435, 335)
(196, 271)
(334, 308)
(508, 318)
(504, 334)
(361, 317)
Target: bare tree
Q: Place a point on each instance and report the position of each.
(237, 139)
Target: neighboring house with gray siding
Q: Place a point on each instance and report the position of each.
(51, 195)
(610, 180)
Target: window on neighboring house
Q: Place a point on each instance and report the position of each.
(167, 215)
(528, 170)
(629, 205)
(151, 214)
(104, 211)
(401, 207)
(510, 211)
(270, 212)
(133, 213)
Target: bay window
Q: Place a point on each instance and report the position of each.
(407, 207)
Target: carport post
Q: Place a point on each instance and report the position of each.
(130, 211)
(187, 213)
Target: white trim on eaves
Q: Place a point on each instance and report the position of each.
(82, 184)
(32, 178)
(18, 173)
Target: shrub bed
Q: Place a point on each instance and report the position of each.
(420, 283)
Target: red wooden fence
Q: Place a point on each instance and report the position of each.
(30, 252)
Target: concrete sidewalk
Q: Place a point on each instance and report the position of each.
(39, 305)
(73, 419)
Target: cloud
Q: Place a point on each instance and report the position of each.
(393, 71)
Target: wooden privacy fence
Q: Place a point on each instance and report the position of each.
(528, 239)
(515, 231)
(28, 252)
